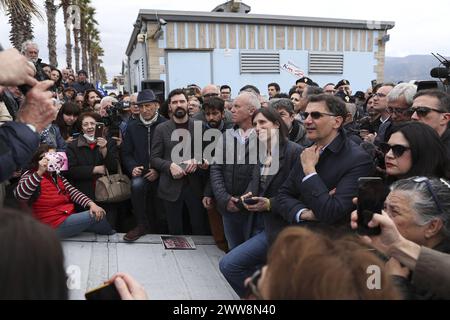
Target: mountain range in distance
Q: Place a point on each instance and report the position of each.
(413, 67)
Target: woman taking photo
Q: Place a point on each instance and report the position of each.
(66, 121)
(89, 157)
(53, 199)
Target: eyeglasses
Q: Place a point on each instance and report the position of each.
(252, 285)
(380, 95)
(209, 95)
(317, 115)
(400, 111)
(397, 149)
(423, 111)
(431, 191)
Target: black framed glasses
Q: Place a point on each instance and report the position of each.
(397, 149)
(380, 95)
(400, 111)
(423, 111)
(317, 115)
(252, 285)
(431, 191)
(209, 95)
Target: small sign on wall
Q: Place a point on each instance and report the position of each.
(292, 69)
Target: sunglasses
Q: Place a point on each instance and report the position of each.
(252, 285)
(423, 111)
(397, 149)
(400, 111)
(317, 115)
(431, 191)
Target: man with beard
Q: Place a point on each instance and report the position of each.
(181, 176)
(136, 152)
(214, 109)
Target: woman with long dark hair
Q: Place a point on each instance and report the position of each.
(66, 120)
(276, 158)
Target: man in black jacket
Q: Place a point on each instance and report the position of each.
(230, 180)
(136, 152)
(322, 186)
(181, 176)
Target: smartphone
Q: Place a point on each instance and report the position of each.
(99, 130)
(183, 165)
(57, 161)
(104, 292)
(371, 195)
(250, 201)
(75, 135)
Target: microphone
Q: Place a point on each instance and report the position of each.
(440, 73)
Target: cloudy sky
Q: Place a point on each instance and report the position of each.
(421, 27)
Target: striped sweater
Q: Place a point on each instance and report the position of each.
(55, 202)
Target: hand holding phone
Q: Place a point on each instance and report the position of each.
(104, 292)
(250, 201)
(371, 195)
(99, 130)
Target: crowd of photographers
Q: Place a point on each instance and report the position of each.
(283, 231)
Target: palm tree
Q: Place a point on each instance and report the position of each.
(65, 6)
(89, 28)
(51, 29)
(76, 40)
(20, 13)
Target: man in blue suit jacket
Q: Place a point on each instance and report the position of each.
(322, 186)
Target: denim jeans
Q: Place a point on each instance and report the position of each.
(241, 262)
(82, 221)
(241, 226)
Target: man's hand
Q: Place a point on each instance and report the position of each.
(208, 202)
(128, 288)
(176, 171)
(204, 165)
(15, 69)
(231, 205)
(152, 175)
(38, 108)
(191, 166)
(308, 215)
(261, 205)
(309, 158)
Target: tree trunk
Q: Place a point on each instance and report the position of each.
(76, 49)
(65, 6)
(21, 27)
(51, 28)
(83, 40)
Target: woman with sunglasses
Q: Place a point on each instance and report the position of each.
(414, 149)
(303, 264)
(274, 164)
(52, 199)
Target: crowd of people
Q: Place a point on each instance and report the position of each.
(202, 163)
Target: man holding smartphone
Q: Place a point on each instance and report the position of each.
(136, 153)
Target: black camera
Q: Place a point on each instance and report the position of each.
(442, 72)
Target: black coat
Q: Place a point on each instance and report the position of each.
(230, 180)
(339, 167)
(82, 161)
(288, 159)
(169, 188)
(136, 146)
